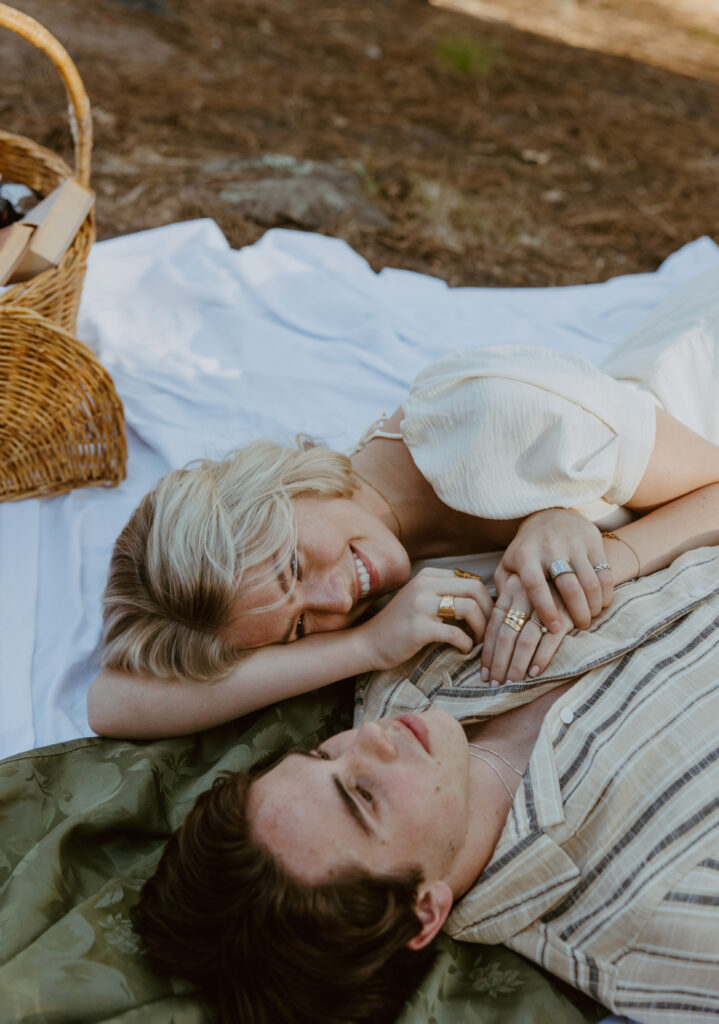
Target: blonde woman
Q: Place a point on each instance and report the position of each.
(240, 583)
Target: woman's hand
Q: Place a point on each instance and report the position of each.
(511, 654)
(411, 620)
(544, 538)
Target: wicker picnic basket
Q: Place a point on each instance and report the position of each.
(55, 293)
(61, 422)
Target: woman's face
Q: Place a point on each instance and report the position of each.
(345, 558)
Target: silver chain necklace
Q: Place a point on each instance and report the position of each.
(493, 767)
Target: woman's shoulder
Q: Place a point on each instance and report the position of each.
(502, 431)
(533, 365)
(508, 380)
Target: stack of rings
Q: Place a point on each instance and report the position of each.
(515, 619)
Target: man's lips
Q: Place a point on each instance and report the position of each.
(417, 727)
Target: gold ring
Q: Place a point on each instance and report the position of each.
(538, 622)
(464, 574)
(515, 619)
(446, 607)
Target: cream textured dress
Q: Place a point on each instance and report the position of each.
(502, 432)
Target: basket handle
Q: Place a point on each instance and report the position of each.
(79, 104)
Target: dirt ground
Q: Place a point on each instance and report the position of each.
(522, 142)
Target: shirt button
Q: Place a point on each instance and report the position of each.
(697, 593)
(567, 715)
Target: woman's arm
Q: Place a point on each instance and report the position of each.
(681, 464)
(145, 707)
(681, 488)
(142, 707)
(640, 548)
(691, 521)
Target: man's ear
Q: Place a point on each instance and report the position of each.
(432, 907)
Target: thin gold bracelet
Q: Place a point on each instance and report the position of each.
(615, 536)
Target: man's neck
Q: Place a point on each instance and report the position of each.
(505, 745)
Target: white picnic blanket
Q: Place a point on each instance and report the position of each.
(210, 347)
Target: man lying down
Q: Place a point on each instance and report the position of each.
(574, 818)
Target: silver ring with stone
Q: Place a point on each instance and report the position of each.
(559, 566)
(602, 565)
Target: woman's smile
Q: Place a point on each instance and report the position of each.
(345, 557)
(367, 578)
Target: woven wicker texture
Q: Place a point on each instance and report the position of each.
(55, 293)
(61, 421)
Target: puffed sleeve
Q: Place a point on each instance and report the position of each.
(504, 431)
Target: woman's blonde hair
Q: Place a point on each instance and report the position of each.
(177, 567)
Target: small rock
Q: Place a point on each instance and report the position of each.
(535, 156)
(278, 189)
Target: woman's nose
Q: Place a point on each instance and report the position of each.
(372, 738)
(329, 593)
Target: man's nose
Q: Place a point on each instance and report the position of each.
(329, 593)
(372, 738)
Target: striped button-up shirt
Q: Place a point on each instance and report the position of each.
(607, 869)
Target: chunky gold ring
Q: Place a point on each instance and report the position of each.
(515, 619)
(464, 574)
(538, 622)
(446, 607)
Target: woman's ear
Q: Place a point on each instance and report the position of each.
(432, 907)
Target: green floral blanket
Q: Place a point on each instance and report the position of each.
(82, 825)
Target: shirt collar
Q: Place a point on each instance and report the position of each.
(506, 897)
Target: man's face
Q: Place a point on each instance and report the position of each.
(384, 797)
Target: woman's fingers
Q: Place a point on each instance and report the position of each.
(606, 582)
(490, 639)
(441, 583)
(508, 639)
(571, 590)
(468, 610)
(539, 593)
(589, 582)
(545, 651)
(456, 636)
(525, 650)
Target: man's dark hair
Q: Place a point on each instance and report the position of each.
(264, 947)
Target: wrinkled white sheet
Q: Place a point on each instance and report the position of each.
(209, 348)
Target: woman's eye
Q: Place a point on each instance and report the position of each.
(322, 754)
(300, 627)
(365, 794)
(295, 567)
